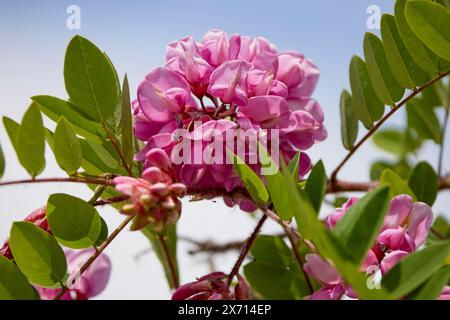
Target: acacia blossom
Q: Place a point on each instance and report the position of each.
(87, 285)
(153, 196)
(223, 84)
(405, 228)
(212, 286)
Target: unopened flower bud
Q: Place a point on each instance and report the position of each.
(128, 209)
(152, 174)
(161, 189)
(158, 158)
(178, 188)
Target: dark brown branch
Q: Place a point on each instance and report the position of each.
(245, 249)
(414, 93)
(98, 181)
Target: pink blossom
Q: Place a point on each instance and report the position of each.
(87, 285)
(227, 83)
(153, 197)
(445, 294)
(405, 228)
(212, 286)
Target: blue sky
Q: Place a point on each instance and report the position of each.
(33, 37)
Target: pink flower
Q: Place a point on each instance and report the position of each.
(405, 228)
(445, 294)
(87, 285)
(241, 83)
(212, 287)
(153, 197)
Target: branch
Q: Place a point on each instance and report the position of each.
(245, 249)
(173, 270)
(99, 250)
(98, 181)
(414, 93)
(119, 152)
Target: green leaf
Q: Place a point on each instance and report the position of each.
(66, 147)
(30, 141)
(366, 105)
(170, 234)
(431, 23)
(274, 273)
(55, 108)
(418, 51)
(251, 180)
(316, 185)
(98, 160)
(405, 70)
(127, 125)
(74, 223)
(360, 226)
(275, 185)
(37, 254)
(395, 141)
(423, 120)
(397, 185)
(103, 233)
(401, 167)
(2, 162)
(432, 288)
(90, 79)
(12, 129)
(13, 284)
(424, 183)
(294, 165)
(384, 82)
(415, 268)
(349, 121)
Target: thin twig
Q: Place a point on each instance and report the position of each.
(173, 270)
(102, 247)
(414, 93)
(245, 249)
(98, 181)
(119, 152)
(112, 200)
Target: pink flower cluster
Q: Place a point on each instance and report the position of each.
(213, 286)
(153, 197)
(227, 83)
(87, 285)
(405, 228)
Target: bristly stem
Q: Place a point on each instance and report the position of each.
(170, 262)
(245, 249)
(102, 247)
(414, 93)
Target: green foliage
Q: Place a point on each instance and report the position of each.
(424, 183)
(74, 223)
(30, 141)
(349, 121)
(294, 165)
(55, 108)
(422, 118)
(431, 23)
(367, 107)
(397, 185)
(90, 79)
(274, 273)
(399, 142)
(13, 284)
(385, 85)
(66, 147)
(251, 181)
(359, 227)
(2, 162)
(402, 168)
(316, 185)
(415, 268)
(37, 254)
(170, 235)
(126, 124)
(432, 288)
